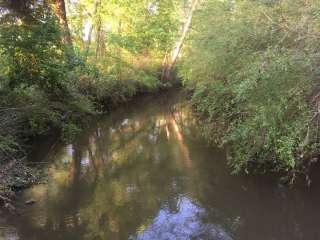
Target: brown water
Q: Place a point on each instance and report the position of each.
(144, 173)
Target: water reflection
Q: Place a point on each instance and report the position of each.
(144, 173)
(185, 223)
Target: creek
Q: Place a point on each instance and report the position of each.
(143, 172)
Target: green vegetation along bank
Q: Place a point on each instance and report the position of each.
(253, 67)
(62, 62)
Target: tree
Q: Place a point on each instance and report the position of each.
(59, 8)
(168, 65)
(95, 9)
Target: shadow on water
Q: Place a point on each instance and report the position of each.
(144, 173)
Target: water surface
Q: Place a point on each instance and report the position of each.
(143, 172)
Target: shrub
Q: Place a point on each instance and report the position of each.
(252, 75)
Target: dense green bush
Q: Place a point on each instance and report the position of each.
(252, 66)
(33, 52)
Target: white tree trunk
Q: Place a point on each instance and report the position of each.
(175, 53)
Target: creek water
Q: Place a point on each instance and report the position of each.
(143, 172)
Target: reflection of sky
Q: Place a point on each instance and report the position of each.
(9, 234)
(125, 122)
(185, 224)
(70, 149)
(85, 161)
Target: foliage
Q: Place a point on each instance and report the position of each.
(125, 39)
(45, 85)
(33, 51)
(252, 66)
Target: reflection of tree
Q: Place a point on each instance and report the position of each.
(144, 176)
(120, 174)
(75, 165)
(179, 136)
(129, 191)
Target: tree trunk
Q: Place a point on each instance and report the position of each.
(59, 8)
(166, 73)
(95, 9)
(119, 51)
(88, 42)
(98, 38)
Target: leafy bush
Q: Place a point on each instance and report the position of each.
(33, 52)
(252, 68)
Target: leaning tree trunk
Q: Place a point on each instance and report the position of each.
(59, 8)
(169, 64)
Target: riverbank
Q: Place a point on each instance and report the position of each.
(20, 172)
